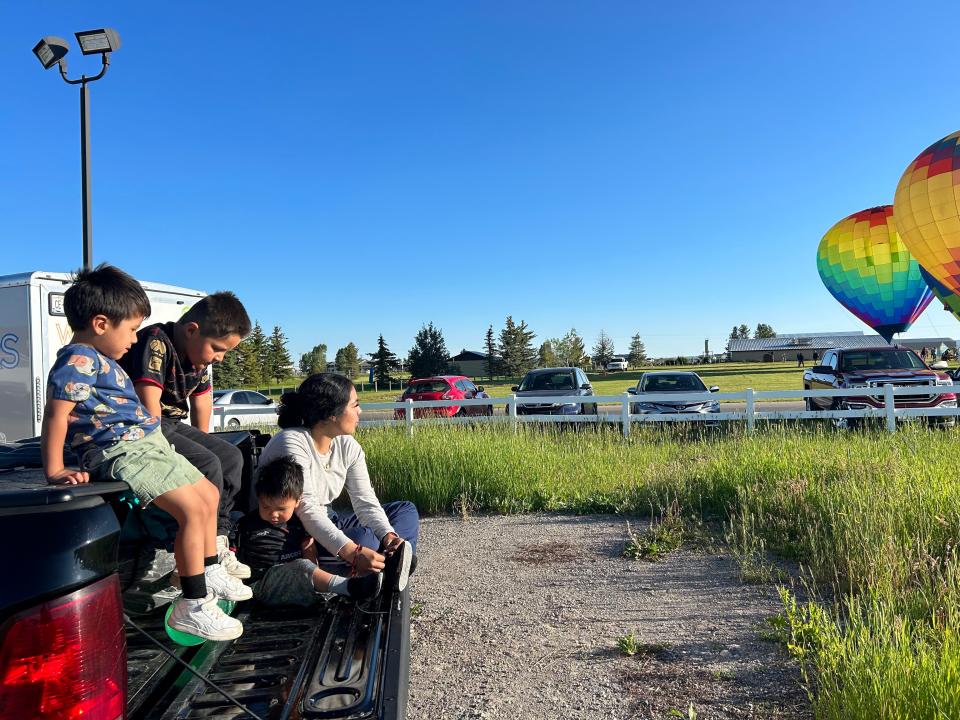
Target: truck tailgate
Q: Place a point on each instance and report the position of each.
(335, 661)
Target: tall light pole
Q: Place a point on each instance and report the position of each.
(51, 51)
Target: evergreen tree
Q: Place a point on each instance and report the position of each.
(570, 349)
(429, 355)
(638, 353)
(278, 357)
(250, 359)
(228, 373)
(314, 361)
(735, 333)
(493, 361)
(516, 348)
(603, 350)
(384, 362)
(764, 331)
(348, 360)
(546, 356)
(743, 332)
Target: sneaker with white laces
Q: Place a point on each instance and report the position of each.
(228, 559)
(204, 618)
(224, 585)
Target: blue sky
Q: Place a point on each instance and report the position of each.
(354, 169)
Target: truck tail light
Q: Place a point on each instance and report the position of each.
(66, 658)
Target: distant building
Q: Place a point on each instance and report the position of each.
(786, 347)
(471, 363)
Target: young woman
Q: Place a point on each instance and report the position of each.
(318, 421)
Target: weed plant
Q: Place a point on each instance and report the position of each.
(872, 520)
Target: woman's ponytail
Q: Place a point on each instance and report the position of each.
(290, 414)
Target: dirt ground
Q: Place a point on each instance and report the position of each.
(519, 617)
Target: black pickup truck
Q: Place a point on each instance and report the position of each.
(82, 602)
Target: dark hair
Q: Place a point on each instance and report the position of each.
(105, 290)
(319, 397)
(219, 315)
(280, 478)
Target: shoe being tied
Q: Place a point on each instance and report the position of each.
(364, 588)
(204, 618)
(224, 585)
(396, 570)
(228, 559)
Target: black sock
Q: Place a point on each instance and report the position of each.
(194, 586)
(212, 560)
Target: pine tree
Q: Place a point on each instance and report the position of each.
(493, 361)
(348, 360)
(764, 331)
(516, 348)
(638, 353)
(570, 349)
(278, 357)
(250, 358)
(603, 350)
(228, 373)
(546, 355)
(384, 362)
(429, 355)
(735, 333)
(314, 361)
(743, 332)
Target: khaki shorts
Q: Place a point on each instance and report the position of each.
(150, 466)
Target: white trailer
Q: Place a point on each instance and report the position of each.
(33, 327)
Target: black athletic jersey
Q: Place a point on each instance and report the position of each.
(154, 359)
(261, 544)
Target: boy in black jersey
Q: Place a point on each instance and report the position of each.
(281, 555)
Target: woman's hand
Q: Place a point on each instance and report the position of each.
(390, 542)
(365, 562)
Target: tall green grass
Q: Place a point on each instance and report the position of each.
(873, 520)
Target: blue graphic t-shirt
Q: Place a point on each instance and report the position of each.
(108, 409)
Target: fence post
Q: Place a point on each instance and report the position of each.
(512, 411)
(624, 414)
(751, 420)
(408, 411)
(888, 407)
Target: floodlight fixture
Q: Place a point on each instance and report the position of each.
(93, 42)
(50, 50)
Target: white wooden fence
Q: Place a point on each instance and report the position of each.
(889, 413)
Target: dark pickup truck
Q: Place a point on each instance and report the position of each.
(82, 604)
(845, 368)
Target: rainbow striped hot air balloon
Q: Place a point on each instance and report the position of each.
(867, 268)
(926, 210)
(950, 300)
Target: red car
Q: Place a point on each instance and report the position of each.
(443, 387)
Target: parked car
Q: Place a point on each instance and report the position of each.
(242, 407)
(617, 365)
(553, 382)
(665, 381)
(443, 387)
(843, 368)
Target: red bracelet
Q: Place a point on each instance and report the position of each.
(356, 560)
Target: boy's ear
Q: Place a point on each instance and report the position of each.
(99, 324)
(191, 328)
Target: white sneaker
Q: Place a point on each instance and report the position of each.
(224, 585)
(204, 618)
(229, 560)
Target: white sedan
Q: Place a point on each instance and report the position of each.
(233, 408)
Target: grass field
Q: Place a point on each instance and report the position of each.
(872, 521)
(730, 377)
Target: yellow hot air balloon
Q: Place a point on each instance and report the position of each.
(926, 208)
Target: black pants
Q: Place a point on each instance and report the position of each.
(219, 461)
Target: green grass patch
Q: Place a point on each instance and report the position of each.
(871, 519)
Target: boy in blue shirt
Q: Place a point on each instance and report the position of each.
(93, 408)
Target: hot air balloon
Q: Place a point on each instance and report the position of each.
(867, 268)
(926, 210)
(951, 301)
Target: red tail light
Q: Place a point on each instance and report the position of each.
(67, 658)
(446, 396)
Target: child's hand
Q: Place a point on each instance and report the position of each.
(69, 476)
(391, 541)
(309, 548)
(369, 561)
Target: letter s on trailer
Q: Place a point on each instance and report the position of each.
(32, 329)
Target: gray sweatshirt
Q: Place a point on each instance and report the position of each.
(324, 477)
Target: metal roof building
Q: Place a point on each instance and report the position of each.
(784, 347)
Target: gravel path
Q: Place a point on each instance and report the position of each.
(519, 616)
